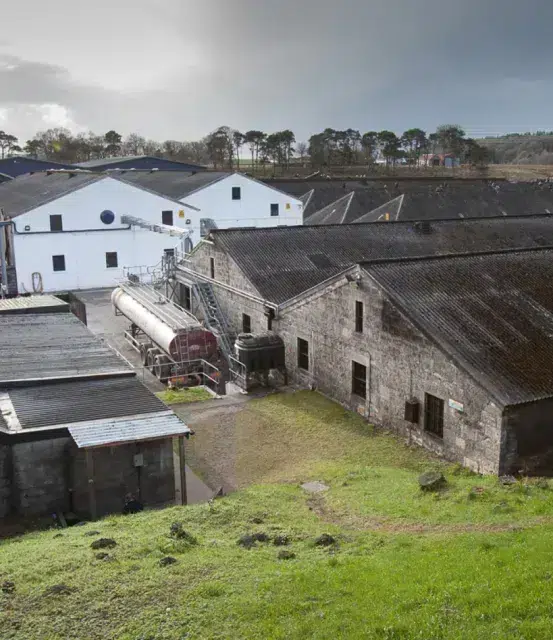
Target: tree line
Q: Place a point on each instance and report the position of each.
(228, 148)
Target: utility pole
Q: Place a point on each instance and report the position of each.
(3, 225)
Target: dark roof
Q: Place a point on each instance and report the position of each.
(492, 313)
(20, 165)
(427, 198)
(334, 213)
(171, 183)
(52, 346)
(283, 262)
(141, 163)
(30, 191)
(78, 401)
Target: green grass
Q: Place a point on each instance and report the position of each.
(184, 396)
(473, 562)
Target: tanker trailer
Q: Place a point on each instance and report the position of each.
(172, 343)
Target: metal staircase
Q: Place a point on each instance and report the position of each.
(214, 317)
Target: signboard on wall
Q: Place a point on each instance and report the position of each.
(456, 405)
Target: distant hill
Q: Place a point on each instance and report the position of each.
(517, 148)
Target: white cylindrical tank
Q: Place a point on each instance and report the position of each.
(162, 334)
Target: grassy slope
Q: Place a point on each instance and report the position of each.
(465, 564)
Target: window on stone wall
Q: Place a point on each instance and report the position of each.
(246, 323)
(359, 379)
(186, 297)
(167, 218)
(434, 415)
(303, 354)
(236, 193)
(274, 209)
(212, 268)
(358, 316)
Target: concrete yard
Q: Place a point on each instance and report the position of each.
(102, 321)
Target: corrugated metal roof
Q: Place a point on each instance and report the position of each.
(20, 165)
(30, 304)
(492, 313)
(427, 198)
(52, 346)
(83, 400)
(112, 432)
(278, 261)
(334, 213)
(30, 191)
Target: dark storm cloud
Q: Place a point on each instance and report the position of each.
(307, 64)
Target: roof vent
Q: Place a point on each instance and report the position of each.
(423, 226)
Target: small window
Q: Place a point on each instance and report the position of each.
(434, 415)
(58, 263)
(236, 193)
(246, 323)
(270, 322)
(169, 253)
(111, 260)
(303, 354)
(167, 218)
(212, 268)
(186, 297)
(56, 223)
(359, 380)
(358, 316)
(274, 209)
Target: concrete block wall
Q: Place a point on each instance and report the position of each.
(115, 475)
(40, 476)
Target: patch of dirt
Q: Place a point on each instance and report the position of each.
(284, 554)
(357, 522)
(59, 590)
(103, 543)
(8, 586)
(165, 562)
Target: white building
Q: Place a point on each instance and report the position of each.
(68, 233)
(227, 199)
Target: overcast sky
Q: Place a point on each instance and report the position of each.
(176, 69)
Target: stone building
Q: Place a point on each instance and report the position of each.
(441, 332)
(78, 430)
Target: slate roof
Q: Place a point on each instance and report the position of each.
(172, 184)
(493, 313)
(82, 400)
(33, 190)
(428, 198)
(136, 429)
(283, 262)
(52, 346)
(125, 161)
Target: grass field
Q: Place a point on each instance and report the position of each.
(472, 562)
(184, 396)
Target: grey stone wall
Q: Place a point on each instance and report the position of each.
(5, 480)
(401, 364)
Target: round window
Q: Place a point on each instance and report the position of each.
(107, 216)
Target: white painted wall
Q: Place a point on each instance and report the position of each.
(252, 210)
(85, 239)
